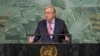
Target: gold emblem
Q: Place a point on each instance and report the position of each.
(48, 50)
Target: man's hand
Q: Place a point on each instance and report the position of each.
(67, 39)
(31, 39)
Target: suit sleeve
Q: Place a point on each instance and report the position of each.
(65, 29)
(37, 31)
(66, 32)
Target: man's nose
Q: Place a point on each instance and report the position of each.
(46, 15)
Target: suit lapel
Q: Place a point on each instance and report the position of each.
(46, 29)
(45, 26)
(55, 27)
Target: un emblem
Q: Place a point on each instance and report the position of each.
(48, 50)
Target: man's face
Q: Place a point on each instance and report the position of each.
(49, 14)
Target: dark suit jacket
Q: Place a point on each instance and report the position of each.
(60, 28)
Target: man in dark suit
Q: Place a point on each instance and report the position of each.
(50, 25)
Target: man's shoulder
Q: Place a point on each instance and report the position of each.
(59, 20)
(42, 21)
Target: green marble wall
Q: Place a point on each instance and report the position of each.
(19, 17)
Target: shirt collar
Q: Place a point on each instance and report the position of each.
(53, 21)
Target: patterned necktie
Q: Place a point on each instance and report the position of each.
(50, 29)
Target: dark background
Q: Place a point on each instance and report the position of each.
(63, 49)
